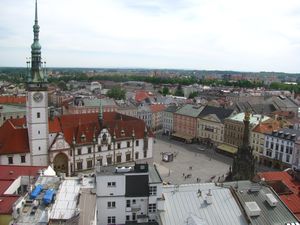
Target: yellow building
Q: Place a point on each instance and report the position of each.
(210, 127)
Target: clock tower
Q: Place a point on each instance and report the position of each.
(37, 102)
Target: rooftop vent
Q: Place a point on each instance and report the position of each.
(208, 197)
(271, 200)
(252, 209)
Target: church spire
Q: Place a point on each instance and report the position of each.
(37, 73)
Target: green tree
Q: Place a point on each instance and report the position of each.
(62, 85)
(116, 93)
(193, 94)
(165, 91)
(179, 91)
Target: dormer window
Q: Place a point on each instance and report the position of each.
(104, 137)
(82, 138)
(122, 133)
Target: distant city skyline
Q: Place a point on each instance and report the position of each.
(176, 34)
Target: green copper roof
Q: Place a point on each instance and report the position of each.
(190, 110)
(254, 118)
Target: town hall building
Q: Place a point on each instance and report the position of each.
(69, 143)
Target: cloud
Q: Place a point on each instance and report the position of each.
(250, 35)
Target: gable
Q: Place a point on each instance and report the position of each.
(212, 117)
(59, 143)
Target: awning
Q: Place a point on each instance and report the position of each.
(227, 148)
(183, 136)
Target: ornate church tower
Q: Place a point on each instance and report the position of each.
(37, 102)
(243, 163)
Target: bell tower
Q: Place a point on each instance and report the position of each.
(37, 102)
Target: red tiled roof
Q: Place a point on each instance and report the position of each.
(291, 200)
(13, 140)
(4, 184)
(157, 108)
(141, 95)
(8, 172)
(12, 99)
(6, 204)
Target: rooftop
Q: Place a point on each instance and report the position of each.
(254, 118)
(221, 113)
(122, 170)
(186, 204)
(13, 172)
(12, 108)
(154, 176)
(247, 191)
(190, 110)
(291, 197)
(87, 205)
(10, 99)
(171, 108)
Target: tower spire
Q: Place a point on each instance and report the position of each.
(36, 14)
(36, 74)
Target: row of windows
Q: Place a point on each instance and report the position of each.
(11, 117)
(109, 160)
(11, 159)
(79, 151)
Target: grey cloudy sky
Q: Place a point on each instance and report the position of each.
(244, 35)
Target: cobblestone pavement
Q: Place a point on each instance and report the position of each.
(187, 166)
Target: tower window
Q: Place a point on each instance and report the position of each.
(38, 115)
(39, 132)
(39, 147)
(22, 158)
(10, 160)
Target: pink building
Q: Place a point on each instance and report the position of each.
(185, 122)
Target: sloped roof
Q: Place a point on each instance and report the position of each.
(268, 126)
(171, 108)
(141, 95)
(221, 113)
(190, 110)
(14, 137)
(157, 108)
(6, 204)
(12, 99)
(8, 172)
(292, 200)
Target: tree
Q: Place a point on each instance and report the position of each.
(62, 85)
(179, 91)
(165, 91)
(193, 94)
(116, 93)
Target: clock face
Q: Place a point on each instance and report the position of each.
(37, 96)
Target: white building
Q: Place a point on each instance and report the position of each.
(127, 194)
(279, 149)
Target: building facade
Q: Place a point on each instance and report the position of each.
(185, 122)
(157, 116)
(280, 148)
(167, 119)
(234, 127)
(210, 125)
(120, 200)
